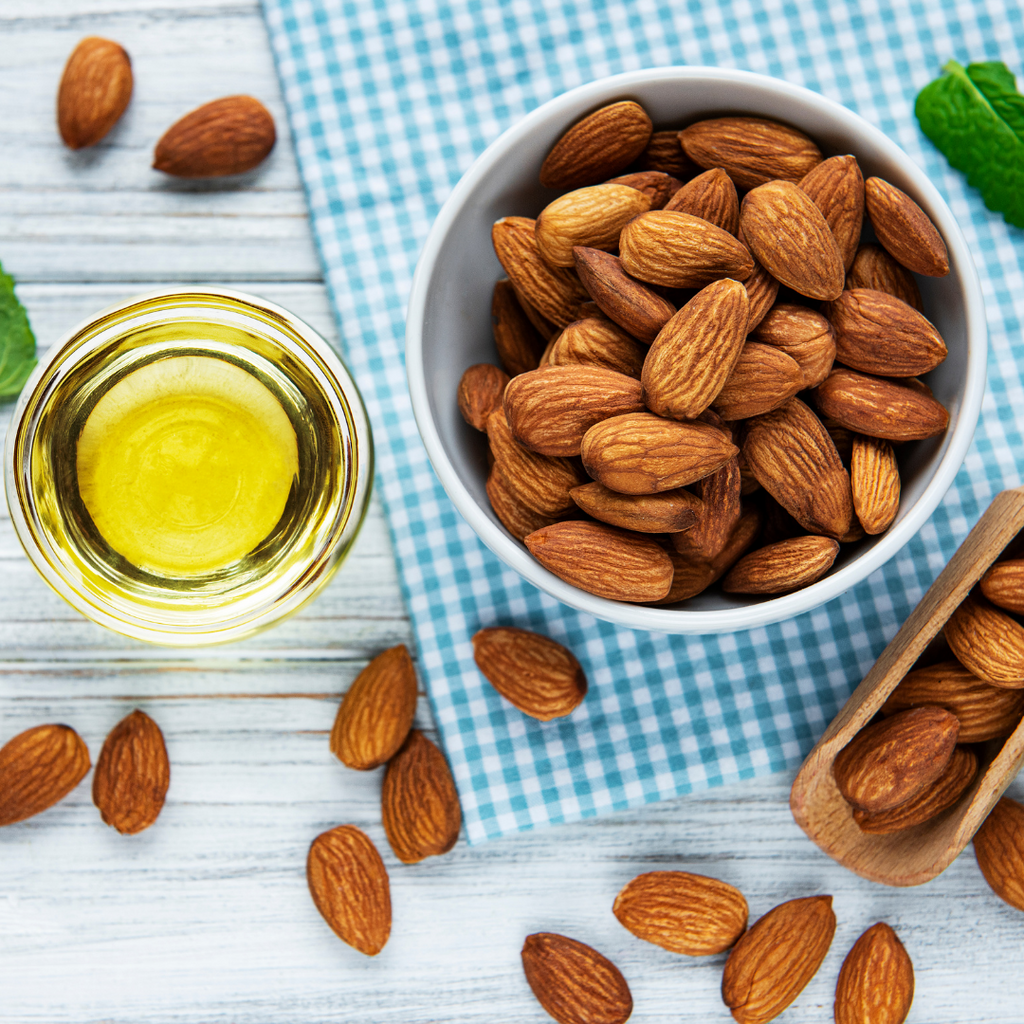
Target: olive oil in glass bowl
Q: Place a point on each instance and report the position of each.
(189, 467)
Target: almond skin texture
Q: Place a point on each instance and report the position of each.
(879, 408)
(656, 185)
(874, 268)
(573, 982)
(681, 912)
(667, 512)
(480, 392)
(773, 962)
(836, 187)
(875, 479)
(551, 408)
(929, 803)
(544, 327)
(226, 136)
(878, 333)
(985, 712)
(876, 982)
(681, 251)
(376, 713)
(597, 341)
(751, 150)
(95, 90)
(720, 511)
(604, 561)
(419, 803)
(803, 335)
(132, 774)
(789, 236)
(520, 520)
(999, 847)
(695, 352)
(712, 197)
(988, 642)
(1003, 585)
(905, 230)
(555, 292)
(518, 342)
(591, 217)
(39, 767)
(533, 673)
(796, 462)
(779, 568)
(350, 887)
(598, 147)
(892, 761)
(632, 305)
(641, 453)
(762, 291)
(763, 378)
(663, 153)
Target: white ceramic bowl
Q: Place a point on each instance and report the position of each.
(449, 326)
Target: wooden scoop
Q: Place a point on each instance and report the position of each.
(920, 853)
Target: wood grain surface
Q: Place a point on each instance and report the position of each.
(206, 917)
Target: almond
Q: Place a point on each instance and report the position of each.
(779, 568)
(94, 91)
(132, 774)
(929, 803)
(690, 577)
(681, 912)
(518, 342)
(590, 217)
(39, 767)
(999, 847)
(787, 233)
(547, 329)
(532, 672)
(892, 761)
(836, 187)
(640, 453)
(573, 982)
(803, 335)
(604, 561)
(874, 268)
(876, 982)
(681, 251)
(762, 291)
(666, 512)
(656, 185)
(878, 333)
(597, 341)
(880, 408)
(376, 713)
(598, 147)
(988, 642)
(227, 136)
(519, 519)
(773, 962)
(419, 803)
(875, 480)
(540, 482)
(985, 711)
(551, 408)
(632, 305)
(719, 513)
(663, 153)
(712, 197)
(1003, 585)
(763, 378)
(905, 230)
(752, 150)
(796, 462)
(350, 887)
(480, 392)
(695, 352)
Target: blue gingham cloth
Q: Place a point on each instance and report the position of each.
(390, 101)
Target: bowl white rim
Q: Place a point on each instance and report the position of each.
(682, 620)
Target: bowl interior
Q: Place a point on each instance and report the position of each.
(450, 326)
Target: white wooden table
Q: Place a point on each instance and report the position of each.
(206, 916)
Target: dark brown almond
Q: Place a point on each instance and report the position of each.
(1003, 585)
(665, 512)
(836, 186)
(39, 767)
(602, 560)
(999, 847)
(988, 642)
(590, 217)
(664, 153)
(519, 519)
(720, 511)
(802, 334)
(712, 197)
(656, 185)
(874, 268)
(905, 230)
(876, 982)
(597, 341)
(95, 90)
(782, 567)
(518, 342)
(763, 378)
(480, 390)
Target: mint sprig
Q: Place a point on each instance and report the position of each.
(17, 342)
(975, 116)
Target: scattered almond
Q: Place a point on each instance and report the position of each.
(876, 982)
(95, 90)
(39, 767)
(999, 847)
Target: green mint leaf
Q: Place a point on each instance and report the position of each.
(17, 342)
(959, 118)
(996, 83)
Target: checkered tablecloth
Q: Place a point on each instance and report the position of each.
(390, 101)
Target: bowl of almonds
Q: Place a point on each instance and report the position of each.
(694, 349)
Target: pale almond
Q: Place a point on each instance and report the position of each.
(875, 480)
(590, 217)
